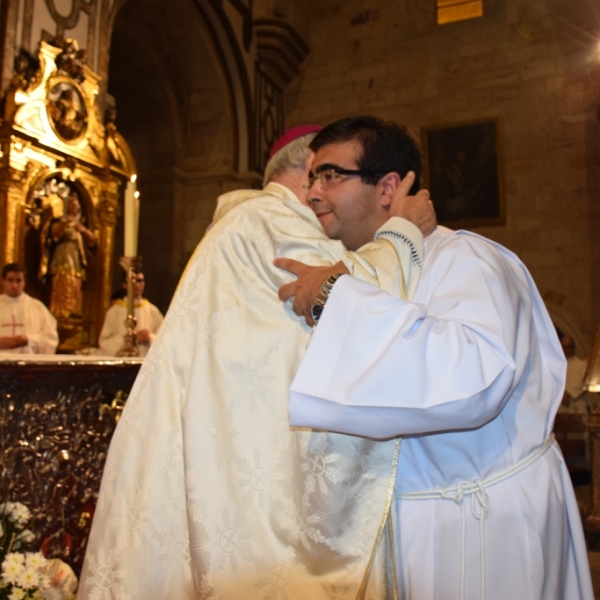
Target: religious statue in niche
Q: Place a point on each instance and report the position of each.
(67, 111)
(67, 241)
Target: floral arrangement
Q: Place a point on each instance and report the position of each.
(29, 575)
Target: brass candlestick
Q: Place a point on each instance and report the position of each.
(131, 264)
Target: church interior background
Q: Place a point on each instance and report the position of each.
(190, 95)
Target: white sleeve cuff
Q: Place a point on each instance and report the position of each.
(400, 230)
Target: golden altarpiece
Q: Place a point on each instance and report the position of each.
(63, 172)
(63, 169)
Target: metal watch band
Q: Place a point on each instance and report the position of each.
(316, 309)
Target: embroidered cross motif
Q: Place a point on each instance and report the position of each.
(14, 325)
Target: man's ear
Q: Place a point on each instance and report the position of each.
(388, 185)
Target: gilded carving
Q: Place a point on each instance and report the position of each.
(67, 110)
(60, 189)
(71, 61)
(27, 72)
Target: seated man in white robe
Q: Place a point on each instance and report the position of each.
(26, 325)
(207, 492)
(470, 373)
(148, 317)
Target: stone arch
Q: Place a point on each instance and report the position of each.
(563, 319)
(183, 104)
(231, 56)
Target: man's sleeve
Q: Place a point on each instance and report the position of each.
(157, 319)
(381, 367)
(43, 338)
(111, 337)
(393, 261)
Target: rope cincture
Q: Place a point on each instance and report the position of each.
(479, 505)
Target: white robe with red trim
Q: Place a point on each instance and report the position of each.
(25, 315)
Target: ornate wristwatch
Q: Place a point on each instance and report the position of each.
(316, 309)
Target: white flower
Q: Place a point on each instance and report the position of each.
(35, 560)
(44, 581)
(18, 513)
(28, 578)
(17, 594)
(12, 567)
(13, 558)
(26, 536)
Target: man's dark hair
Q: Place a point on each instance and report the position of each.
(386, 147)
(12, 268)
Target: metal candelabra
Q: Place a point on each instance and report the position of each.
(131, 264)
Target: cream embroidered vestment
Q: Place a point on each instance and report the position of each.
(207, 491)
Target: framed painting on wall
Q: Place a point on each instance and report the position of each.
(462, 172)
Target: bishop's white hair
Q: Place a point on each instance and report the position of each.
(291, 156)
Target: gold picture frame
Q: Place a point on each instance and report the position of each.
(462, 170)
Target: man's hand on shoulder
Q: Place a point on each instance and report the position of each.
(306, 288)
(417, 209)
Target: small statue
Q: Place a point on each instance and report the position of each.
(67, 242)
(71, 61)
(25, 70)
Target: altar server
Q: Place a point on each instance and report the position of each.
(469, 373)
(148, 320)
(26, 325)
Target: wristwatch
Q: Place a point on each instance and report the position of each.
(316, 310)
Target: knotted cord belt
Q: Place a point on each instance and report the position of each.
(479, 504)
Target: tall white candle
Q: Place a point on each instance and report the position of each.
(136, 221)
(130, 218)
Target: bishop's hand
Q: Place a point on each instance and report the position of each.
(306, 288)
(417, 209)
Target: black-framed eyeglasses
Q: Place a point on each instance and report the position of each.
(330, 176)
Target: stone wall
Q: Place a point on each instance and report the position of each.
(534, 65)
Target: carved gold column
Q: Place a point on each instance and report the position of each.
(108, 212)
(11, 193)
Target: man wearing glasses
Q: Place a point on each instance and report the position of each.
(468, 374)
(207, 492)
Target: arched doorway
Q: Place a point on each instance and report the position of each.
(182, 114)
